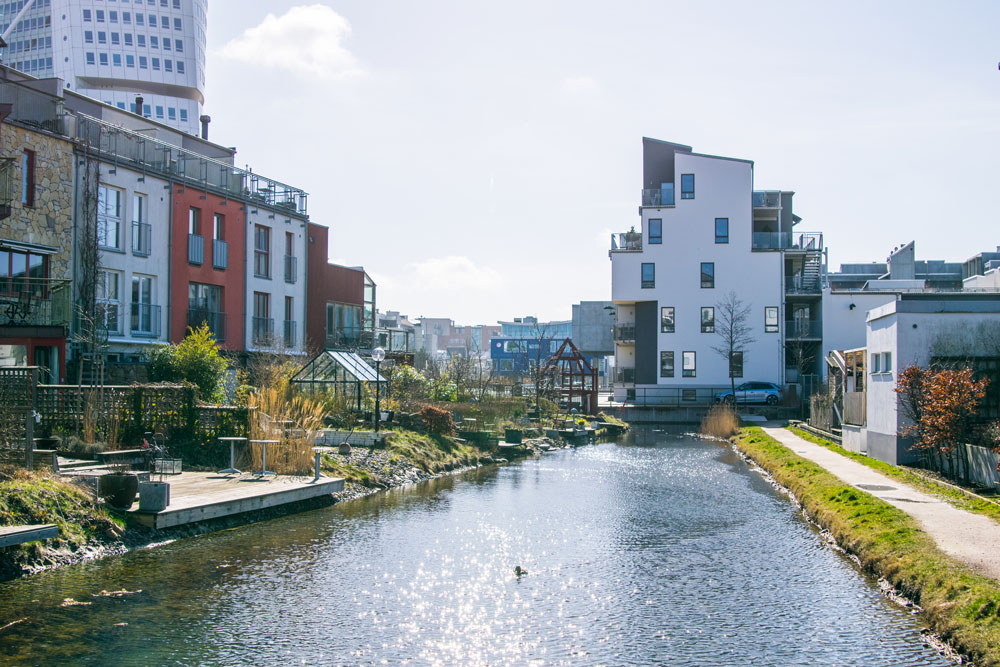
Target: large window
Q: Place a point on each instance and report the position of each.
(667, 319)
(109, 217)
(343, 324)
(666, 364)
(687, 186)
(708, 274)
(18, 270)
(736, 365)
(108, 300)
(708, 319)
(141, 236)
(648, 275)
(655, 231)
(262, 252)
(689, 364)
(28, 178)
(722, 230)
(143, 319)
(770, 319)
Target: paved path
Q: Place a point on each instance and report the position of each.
(971, 538)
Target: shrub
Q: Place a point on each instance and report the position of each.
(720, 422)
(437, 421)
(195, 359)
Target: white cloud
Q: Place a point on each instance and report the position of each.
(304, 39)
(455, 273)
(580, 85)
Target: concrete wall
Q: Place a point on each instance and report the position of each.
(853, 439)
(593, 323)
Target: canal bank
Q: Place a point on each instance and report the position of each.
(959, 605)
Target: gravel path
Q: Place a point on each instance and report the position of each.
(970, 538)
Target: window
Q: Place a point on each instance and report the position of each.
(166, 44)
(159, 109)
(708, 274)
(667, 319)
(102, 58)
(648, 275)
(183, 112)
(154, 42)
(177, 24)
(180, 70)
(168, 65)
(152, 20)
(687, 186)
(178, 46)
(130, 62)
(109, 217)
(708, 319)
(113, 17)
(194, 221)
(108, 302)
(19, 269)
(116, 59)
(115, 39)
(887, 362)
(141, 241)
(127, 18)
(88, 36)
(666, 364)
(218, 227)
(141, 39)
(128, 39)
(90, 59)
(142, 306)
(688, 364)
(875, 363)
(156, 66)
(140, 19)
(655, 230)
(165, 22)
(261, 317)
(177, 4)
(143, 65)
(28, 178)
(262, 252)
(722, 230)
(86, 14)
(146, 108)
(99, 13)
(736, 365)
(770, 319)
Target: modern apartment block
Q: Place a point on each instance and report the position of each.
(705, 233)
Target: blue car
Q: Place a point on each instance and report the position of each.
(752, 392)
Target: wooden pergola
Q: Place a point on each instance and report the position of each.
(573, 377)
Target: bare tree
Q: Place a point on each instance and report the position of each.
(537, 361)
(732, 326)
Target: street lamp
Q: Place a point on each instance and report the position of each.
(378, 354)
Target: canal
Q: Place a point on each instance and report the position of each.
(661, 549)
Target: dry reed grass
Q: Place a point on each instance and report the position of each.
(720, 422)
(291, 418)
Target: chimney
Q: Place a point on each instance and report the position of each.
(205, 120)
(138, 105)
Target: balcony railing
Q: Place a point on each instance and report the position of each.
(626, 242)
(142, 239)
(624, 376)
(109, 317)
(788, 241)
(220, 254)
(351, 337)
(801, 284)
(659, 196)
(215, 320)
(803, 329)
(766, 199)
(38, 302)
(289, 331)
(263, 330)
(145, 320)
(625, 332)
(291, 268)
(196, 249)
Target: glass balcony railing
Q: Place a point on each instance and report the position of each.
(662, 196)
(263, 330)
(626, 242)
(291, 268)
(145, 320)
(289, 333)
(766, 199)
(142, 239)
(788, 241)
(39, 302)
(803, 329)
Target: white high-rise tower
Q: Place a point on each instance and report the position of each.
(114, 50)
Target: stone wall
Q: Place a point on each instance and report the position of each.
(50, 220)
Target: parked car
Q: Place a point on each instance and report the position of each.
(752, 392)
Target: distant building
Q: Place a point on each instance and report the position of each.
(341, 300)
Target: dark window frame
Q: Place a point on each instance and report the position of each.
(733, 367)
(685, 192)
(666, 372)
(722, 238)
(708, 326)
(650, 283)
(772, 328)
(656, 239)
(28, 178)
(708, 283)
(673, 320)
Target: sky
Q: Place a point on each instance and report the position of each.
(475, 157)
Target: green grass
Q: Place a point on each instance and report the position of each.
(28, 497)
(959, 605)
(946, 493)
(431, 453)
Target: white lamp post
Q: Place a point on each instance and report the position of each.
(378, 354)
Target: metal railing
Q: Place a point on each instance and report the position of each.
(291, 268)
(143, 153)
(142, 239)
(800, 329)
(263, 330)
(145, 320)
(352, 337)
(626, 242)
(215, 320)
(675, 396)
(196, 249)
(624, 376)
(38, 302)
(220, 254)
(802, 284)
(32, 107)
(625, 332)
(787, 241)
(658, 196)
(289, 331)
(109, 318)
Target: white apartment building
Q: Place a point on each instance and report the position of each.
(704, 233)
(115, 51)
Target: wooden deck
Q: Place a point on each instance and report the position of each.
(11, 535)
(199, 496)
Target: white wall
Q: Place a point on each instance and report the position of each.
(989, 280)
(276, 286)
(843, 326)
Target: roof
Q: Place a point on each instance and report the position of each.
(329, 360)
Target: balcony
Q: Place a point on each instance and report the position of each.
(625, 332)
(263, 330)
(196, 249)
(803, 330)
(36, 302)
(291, 268)
(142, 239)
(658, 197)
(109, 317)
(626, 242)
(766, 199)
(220, 254)
(802, 284)
(289, 331)
(215, 320)
(145, 320)
(350, 338)
(809, 241)
(624, 375)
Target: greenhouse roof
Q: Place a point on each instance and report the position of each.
(335, 364)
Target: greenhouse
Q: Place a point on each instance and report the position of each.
(344, 373)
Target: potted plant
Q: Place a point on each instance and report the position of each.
(119, 486)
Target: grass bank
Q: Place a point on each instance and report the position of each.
(953, 496)
(959, 605)
(30, 497)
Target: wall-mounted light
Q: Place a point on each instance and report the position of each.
(852, 306)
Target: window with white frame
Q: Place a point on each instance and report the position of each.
(109, 217)
(108, 301)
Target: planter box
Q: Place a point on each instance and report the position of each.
(153, 496)
(167, 466)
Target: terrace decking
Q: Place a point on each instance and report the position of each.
(199, 496)
(12, 535)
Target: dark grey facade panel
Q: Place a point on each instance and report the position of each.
(646, 328)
